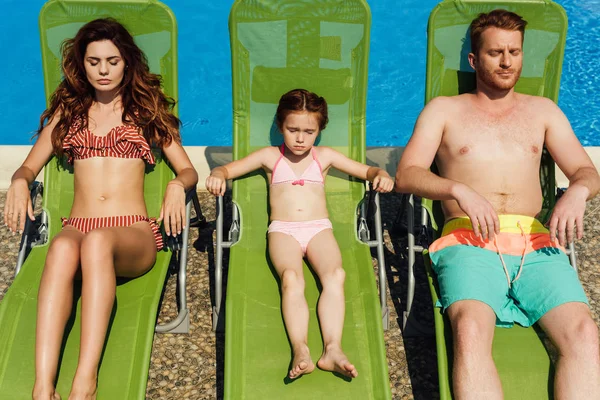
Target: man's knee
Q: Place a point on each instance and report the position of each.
(472, 327)
(292, 281)
(580, 337)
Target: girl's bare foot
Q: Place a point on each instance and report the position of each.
(83, 389)
(334, 359)
(302, 363)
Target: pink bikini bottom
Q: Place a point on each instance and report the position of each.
(302, 231)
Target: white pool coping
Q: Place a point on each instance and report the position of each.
(206, 157)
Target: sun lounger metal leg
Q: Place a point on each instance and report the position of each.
(385, 313)
(364, 235)
(234, 233)
(181, 324)
(218, 264)
(410, 325)
(37, 188)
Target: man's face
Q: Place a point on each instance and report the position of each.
(499, 61)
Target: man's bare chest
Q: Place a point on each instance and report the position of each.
(512, 136)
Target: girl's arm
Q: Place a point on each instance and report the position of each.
(173, 207)
(18, 202)
(382, 182)
(216, 183)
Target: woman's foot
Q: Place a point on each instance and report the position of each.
(334, 359)
(302, 363)
(83, 388)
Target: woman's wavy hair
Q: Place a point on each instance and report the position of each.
(143, 101)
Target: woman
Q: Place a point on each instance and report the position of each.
(104, 116)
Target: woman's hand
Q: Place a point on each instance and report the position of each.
(383, 182)
(18, 206)
(173, 208)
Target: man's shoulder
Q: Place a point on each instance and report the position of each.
(446, 101)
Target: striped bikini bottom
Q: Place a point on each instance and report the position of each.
(87, 224)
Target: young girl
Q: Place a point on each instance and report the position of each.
(299, 223)
(103, 117)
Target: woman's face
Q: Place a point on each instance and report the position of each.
(104, 66)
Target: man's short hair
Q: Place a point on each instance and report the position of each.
(502, 19)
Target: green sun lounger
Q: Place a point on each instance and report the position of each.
(124, 366)
(522, 361)
(321, 46)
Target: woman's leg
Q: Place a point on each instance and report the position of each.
(105, 254)
(325, 258)
(286, 256)
(55, 298)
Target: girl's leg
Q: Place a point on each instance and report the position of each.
(55, 298)
(286, 256)
(326, 260)
(105, 254)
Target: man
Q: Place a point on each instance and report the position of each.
(495, 263)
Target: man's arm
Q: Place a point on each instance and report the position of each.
(413, 174)
(574, 162)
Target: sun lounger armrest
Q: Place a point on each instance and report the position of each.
(181, 324)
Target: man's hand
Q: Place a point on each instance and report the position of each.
(483, 216)
(568, 215)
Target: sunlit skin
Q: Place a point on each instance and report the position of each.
(305, 203)
(487, 145)
(104, 186)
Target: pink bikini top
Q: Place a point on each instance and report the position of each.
(285, 174)
(123, 141)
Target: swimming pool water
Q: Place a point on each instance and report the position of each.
(396, 70)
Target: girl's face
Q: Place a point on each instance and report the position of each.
(104, 66)
(300, 130)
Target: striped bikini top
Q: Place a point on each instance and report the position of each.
(283, 173)
(123, 141)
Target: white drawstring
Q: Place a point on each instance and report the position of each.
(522, 256)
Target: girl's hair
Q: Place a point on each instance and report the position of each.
(299, 100)
(499, 18)
(143, 101)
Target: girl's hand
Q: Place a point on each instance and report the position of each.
(383, 182)
(18, 206)
(173, 208)
(216, 184)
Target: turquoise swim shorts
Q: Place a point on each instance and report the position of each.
(521, 274)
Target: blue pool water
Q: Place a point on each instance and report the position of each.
(396, 70)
